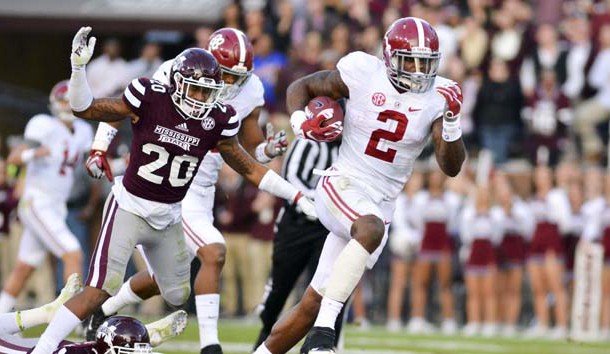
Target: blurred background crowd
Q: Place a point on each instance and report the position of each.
(536, 81)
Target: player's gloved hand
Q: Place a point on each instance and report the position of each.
(452, 92)
(97, 165)
(313, 129)
(277, 143)
(81, 50)
(305, 206)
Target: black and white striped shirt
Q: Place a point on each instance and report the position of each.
(303, 157)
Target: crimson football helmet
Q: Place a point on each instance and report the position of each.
(59, 103)
(196, 82)
(233, 50)
(410, 51)
(122, 335)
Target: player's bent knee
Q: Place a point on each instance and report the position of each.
(369, 231)
(177, 296)
(213, 254)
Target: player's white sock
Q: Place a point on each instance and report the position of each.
(124, 297)
(329, 310)
(32, 317)
(262, 349)
(8, 323)
(60, 327)
(208, 307)
(7, 302)
(345, 275)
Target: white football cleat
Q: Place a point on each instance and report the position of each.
(166, 328)
(73, 286)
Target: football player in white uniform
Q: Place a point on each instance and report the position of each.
(244, 92)
(53, 146)
(393, 107)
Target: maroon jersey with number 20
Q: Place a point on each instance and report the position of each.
(167, 149)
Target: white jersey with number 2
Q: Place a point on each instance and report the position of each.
(384, 130)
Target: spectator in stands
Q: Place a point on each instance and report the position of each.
(148, 62)
(507, 42)
(267, 64)
(578, 55)
(202, 35)
(497, 110)
(473, 42)
(108, 74)
(596, 109)
(547, 116)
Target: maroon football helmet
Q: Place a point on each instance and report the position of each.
(196, 81)
(233, 50)
(410, 51)
(59, 103)
(121, 335)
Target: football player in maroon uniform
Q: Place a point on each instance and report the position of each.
(174, 127)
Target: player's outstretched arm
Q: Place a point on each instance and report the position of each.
(252, 139)
(262, 177)
(81, 99)
(447, 132)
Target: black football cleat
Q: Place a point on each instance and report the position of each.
(212, 349)
(320, 340)
(94, 321)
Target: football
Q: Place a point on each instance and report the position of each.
(326, 106)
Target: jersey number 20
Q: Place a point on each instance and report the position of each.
(146, 171)
(382, 134)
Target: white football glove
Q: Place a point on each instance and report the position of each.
(305, 205)
(81, 50)
(277, 143)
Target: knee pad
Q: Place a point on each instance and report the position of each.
(177, 296)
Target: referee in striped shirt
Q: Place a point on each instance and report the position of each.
(298, 240)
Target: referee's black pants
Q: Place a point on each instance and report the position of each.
(297, 246)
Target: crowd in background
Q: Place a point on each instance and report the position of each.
(536, 84)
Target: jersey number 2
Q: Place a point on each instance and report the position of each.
(146, 171)
(372, 148)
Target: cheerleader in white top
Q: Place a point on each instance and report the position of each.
(404, 244)
(481, 230)
(574, 230)
(518, 227)
(551, 209)
(433, 213)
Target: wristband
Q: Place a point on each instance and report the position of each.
(103, 136)
(27, 155)
(279, 187)
(260, 154)
(452, 129)
(296, 120)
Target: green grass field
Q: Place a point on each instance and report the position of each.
(237, 338)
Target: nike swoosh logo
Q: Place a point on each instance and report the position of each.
(411, 109)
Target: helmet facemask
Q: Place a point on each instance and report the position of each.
(196, 98)
(240, 75)
(138, 348)
(413, 70)
(61, 109)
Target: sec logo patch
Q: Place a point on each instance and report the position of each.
(378, 99)
(208, 123)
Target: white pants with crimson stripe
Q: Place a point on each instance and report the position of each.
(45, 230)
(339, 201)
(198, 218)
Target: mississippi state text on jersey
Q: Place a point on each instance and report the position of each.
(384, 130)
(167, 149)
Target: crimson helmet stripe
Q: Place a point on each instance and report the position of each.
(242, 45)
(421, 42)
